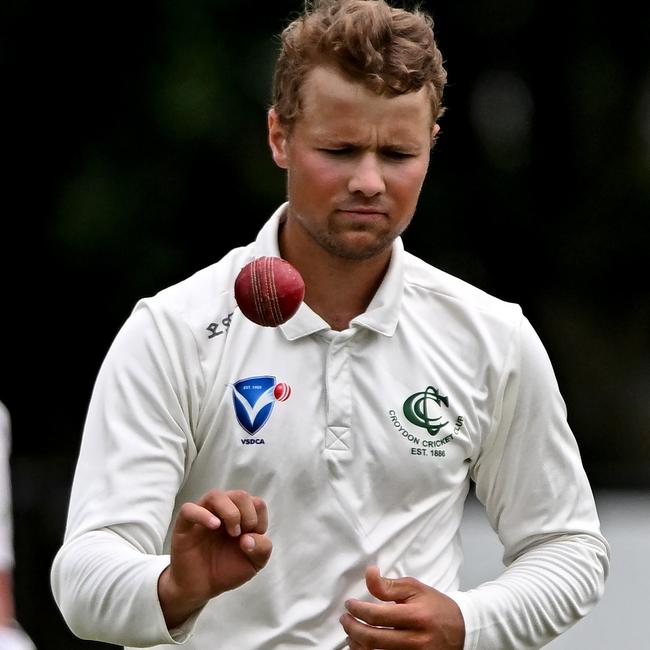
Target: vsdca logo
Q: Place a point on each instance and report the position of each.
(254, 399)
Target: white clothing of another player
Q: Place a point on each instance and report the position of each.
(12, 636)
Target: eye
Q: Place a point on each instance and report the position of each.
(341, 151)
(397, 155)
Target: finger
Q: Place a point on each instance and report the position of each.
(262, 515)
(257, 548)
(247, 511)
(192, 514)
(365, 636)
(395, 589)
(222, 505)
(380, 614)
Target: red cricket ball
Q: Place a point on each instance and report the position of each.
(269, 291)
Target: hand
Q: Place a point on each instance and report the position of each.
(416, 617)
(218, 544)
(7, 609)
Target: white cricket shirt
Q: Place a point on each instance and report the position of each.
(362, 443)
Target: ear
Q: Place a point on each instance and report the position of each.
(435, 129)
(278, 140)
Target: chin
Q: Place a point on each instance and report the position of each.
(359, 246)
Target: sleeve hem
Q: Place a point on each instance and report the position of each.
(467, 609)
(181, 633)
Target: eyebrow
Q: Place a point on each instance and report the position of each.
(335, 143)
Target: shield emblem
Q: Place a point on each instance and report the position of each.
(253, 399)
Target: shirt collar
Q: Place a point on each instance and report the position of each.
(383, 311)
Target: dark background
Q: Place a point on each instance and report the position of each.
(128, 127)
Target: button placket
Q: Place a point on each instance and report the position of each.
(339, 393)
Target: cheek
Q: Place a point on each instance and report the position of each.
(317, 172)
(407, 182)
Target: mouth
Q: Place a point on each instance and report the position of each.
(364, 213)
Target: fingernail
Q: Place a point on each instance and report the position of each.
(236, 531)
(248, 543)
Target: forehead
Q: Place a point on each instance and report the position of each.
(333, 102)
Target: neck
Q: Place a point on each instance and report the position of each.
(337, 289)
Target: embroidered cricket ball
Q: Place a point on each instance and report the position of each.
(282, 391)
(269, 291)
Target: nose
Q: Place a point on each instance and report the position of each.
(367, 176)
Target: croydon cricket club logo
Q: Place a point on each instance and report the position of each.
(254, 399)
(429, 411)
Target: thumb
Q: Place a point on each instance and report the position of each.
(387, 589)
(257, 547)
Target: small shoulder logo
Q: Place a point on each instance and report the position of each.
(423, 410)
(254, 399)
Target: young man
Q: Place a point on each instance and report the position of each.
(205, 512)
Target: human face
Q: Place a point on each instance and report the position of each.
(355, 164)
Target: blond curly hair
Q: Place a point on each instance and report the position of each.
(391, 51)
